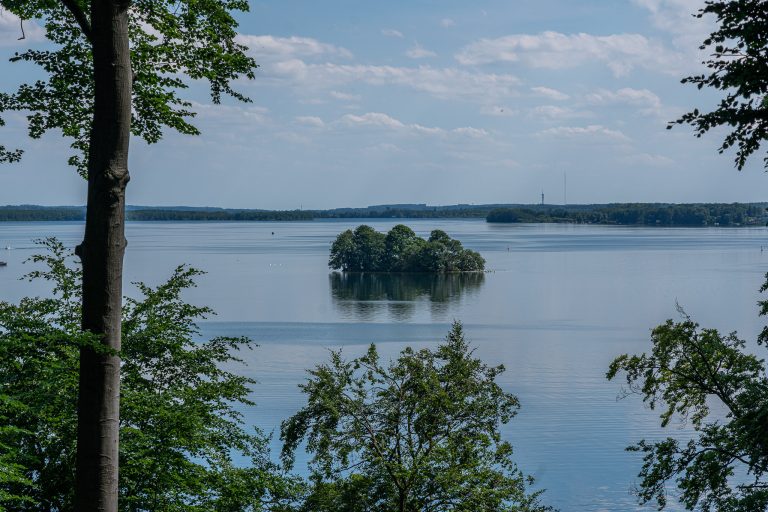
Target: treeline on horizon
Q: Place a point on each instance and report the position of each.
(218, 215)
(645, 214)
(27, 214)
(640, 214)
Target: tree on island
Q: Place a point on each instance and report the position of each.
(114, 68)
(400, 250)
(738, 61)
(420, 434)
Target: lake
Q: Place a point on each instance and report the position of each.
(558, 304)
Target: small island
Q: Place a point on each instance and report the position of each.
(401, 250)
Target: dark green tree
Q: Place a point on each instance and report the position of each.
(419, 434)
(442, 253)
(400, 250)
(115, 68)
(715, 383)
(370, 249)
(343, 252)
(402, 245)
(14, 485)
(181, 432)
(738, 58)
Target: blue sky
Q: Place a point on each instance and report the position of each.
(436, 101)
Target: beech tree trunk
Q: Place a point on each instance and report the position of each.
(101, 254)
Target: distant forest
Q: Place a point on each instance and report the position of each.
(641, 214)
(644, 214)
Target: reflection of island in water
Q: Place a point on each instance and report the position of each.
(365, 296)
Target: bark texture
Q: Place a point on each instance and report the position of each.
(102, 253)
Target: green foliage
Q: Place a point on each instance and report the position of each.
(710, 380)
(645, 214)
(405, 212)
(7, 155)
(402, 245)
(180, 430)
(13, 482)
(738, 57)
(370, 249)
(70, 213)
(217, 215)
(170, 41)
(418, 434)
(400, 250)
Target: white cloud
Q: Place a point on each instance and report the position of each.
(312, 121)
(381, 120)
(277, 48)
(645, 100)
(676, 18)
(372, 119)
(294, 138)
(343, 96)
(443, 83)
(384, 147)
(447, 23)
(552, 94)
(426, 130)
(648, 160)
(390, 32)
(554, 50)
(419, 52)
(584, 131)
(557, 112)
(11, 30)
(470, 132)
(231, 114)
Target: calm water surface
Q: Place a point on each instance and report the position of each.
(559, 304)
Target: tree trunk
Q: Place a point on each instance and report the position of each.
(102, 256)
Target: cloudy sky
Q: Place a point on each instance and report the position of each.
(436, 101)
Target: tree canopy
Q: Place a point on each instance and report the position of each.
(400, 250)
(181, 432)
(113, 69)
(714, 382)
(420, 434)
(738, 58)
(171, 44)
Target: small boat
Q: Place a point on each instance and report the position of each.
(3, 264)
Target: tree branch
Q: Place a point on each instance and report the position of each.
(80, 17)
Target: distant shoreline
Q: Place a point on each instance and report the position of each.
(625, 214)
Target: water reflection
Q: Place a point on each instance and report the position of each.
(368, 297)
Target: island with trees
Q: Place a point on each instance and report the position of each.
(401, 250)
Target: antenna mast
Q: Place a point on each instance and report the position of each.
(565, 189)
